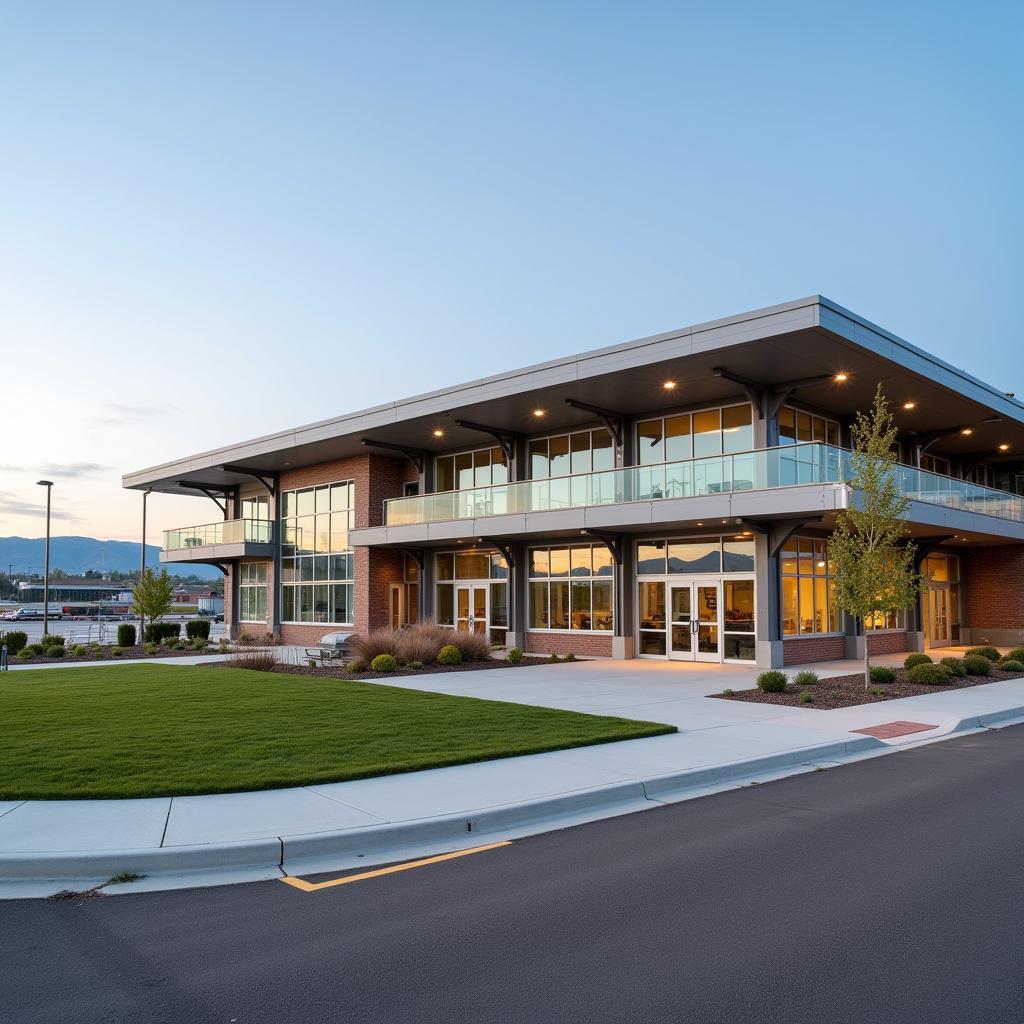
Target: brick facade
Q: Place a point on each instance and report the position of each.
(376, 478)
(887, 643)
(590, 645)
(803, 650)
(993, 588)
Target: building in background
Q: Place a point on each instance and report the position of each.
(666, 498)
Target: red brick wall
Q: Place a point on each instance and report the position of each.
(887, 643)
(591, 645)
(801, 650)
(376, 478)
(993, 587)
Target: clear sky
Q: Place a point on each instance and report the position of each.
(222, 219)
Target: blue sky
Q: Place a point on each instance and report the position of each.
(219, 220)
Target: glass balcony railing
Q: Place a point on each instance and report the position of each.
(228, 531)
(788, 466)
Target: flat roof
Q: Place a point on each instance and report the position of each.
(797, 339)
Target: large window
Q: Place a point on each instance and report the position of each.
(252, 592)
(571, 588)
(808, 592)
(936, 464)
(317, 564)
(796, 427)
(256, 508)
(470, 469)
(584, 451)
(712, 555)
(695, 435)
(472, 579)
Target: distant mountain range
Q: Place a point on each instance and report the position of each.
(76, 555)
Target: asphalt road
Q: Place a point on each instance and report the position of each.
(890, 890)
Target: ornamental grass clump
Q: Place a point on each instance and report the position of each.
(772, 681)
(805, 678)
(930, 675)
(977, 665)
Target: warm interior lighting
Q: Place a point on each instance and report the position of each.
(1004, 447)
(841, 378)
(910, 405)
(967, 431)
(538, 413)
(669, 385)
(821, 565)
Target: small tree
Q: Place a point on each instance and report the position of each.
(152, 597)
(873, 571)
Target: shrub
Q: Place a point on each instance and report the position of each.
(806, 697)
(198, 628)
(554, 659)
(449, 655)
(78, 650)
(414, 665)
(472, 646)
(916, 659)
(929, 674)
(421, 642)
(883, 675)
(116, 652)
(805, 678)
(878, 693)
(150, 648)
(728, 692)
(126, 635)
(56, 651)
(366, 646)
(1011, 665)
(772, 681)
(356, 666)
(24, 654)
(35, 650)
(984, 652)
(384, 663)
(223, 644)
(52, 640)
(977, 665)
(15, 641)
(198, 643)
(956, 666)
(569, 657)
(1017, 654)
(515, 655)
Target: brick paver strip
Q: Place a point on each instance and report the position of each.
(890, 730)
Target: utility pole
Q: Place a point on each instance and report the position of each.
(48, 484)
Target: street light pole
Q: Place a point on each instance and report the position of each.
(142, 564)
(48, 484)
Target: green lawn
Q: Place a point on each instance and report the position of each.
(163, 730)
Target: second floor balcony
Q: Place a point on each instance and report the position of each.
(764, 469)
(223, 540)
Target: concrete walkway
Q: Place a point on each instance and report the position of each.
(49, 845)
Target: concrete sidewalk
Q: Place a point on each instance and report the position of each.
(50, 845)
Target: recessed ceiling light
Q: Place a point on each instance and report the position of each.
(967, 431)
(438, 432)
(910, 405)
(821, 565)
(538, 413)
(669, 385)
(747, 533)
(700, 524)
(841, 378)
(1004, 447)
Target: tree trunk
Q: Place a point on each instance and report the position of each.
(867, 659)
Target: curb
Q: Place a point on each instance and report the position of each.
(983, 721)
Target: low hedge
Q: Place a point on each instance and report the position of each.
(158, 632)
(15, 641)
(916, 659)
(985, 652)
(126, 635)
(977, 665)
(929, 674)
(198, 629)
(956, 666)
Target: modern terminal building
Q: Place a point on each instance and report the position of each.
(666, 498)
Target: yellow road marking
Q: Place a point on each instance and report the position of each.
(301, 883)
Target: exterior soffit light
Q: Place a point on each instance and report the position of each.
(967, 431)
(841, 377)
(909, 405)
(1004, 447)
(669, 385)
(438, 432)
(539, 413)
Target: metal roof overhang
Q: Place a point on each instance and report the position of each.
(795, 341)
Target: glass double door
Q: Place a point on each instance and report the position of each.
(471, 607)
(938, 617)
(694, 628)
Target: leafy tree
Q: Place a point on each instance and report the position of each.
(153, 596)
(873, 570)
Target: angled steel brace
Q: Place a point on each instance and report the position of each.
(416, 554)
(267, 477)
(504, 438)
(610, 540)
(788, 528)
(504, 547)
(754, 391)
(210, 490)
(614, 421)
(414, 455)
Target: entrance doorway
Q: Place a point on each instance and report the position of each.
(471, 607)
(694, 624)
(941, 605)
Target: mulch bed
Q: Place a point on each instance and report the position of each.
(135, 653)
(848, 691)
(337, 672)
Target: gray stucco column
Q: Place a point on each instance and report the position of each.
(274, 597)
(768, 644)
(516, 636)
(624, 637)
(427, 588)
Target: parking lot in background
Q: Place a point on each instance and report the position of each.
(87, 631)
